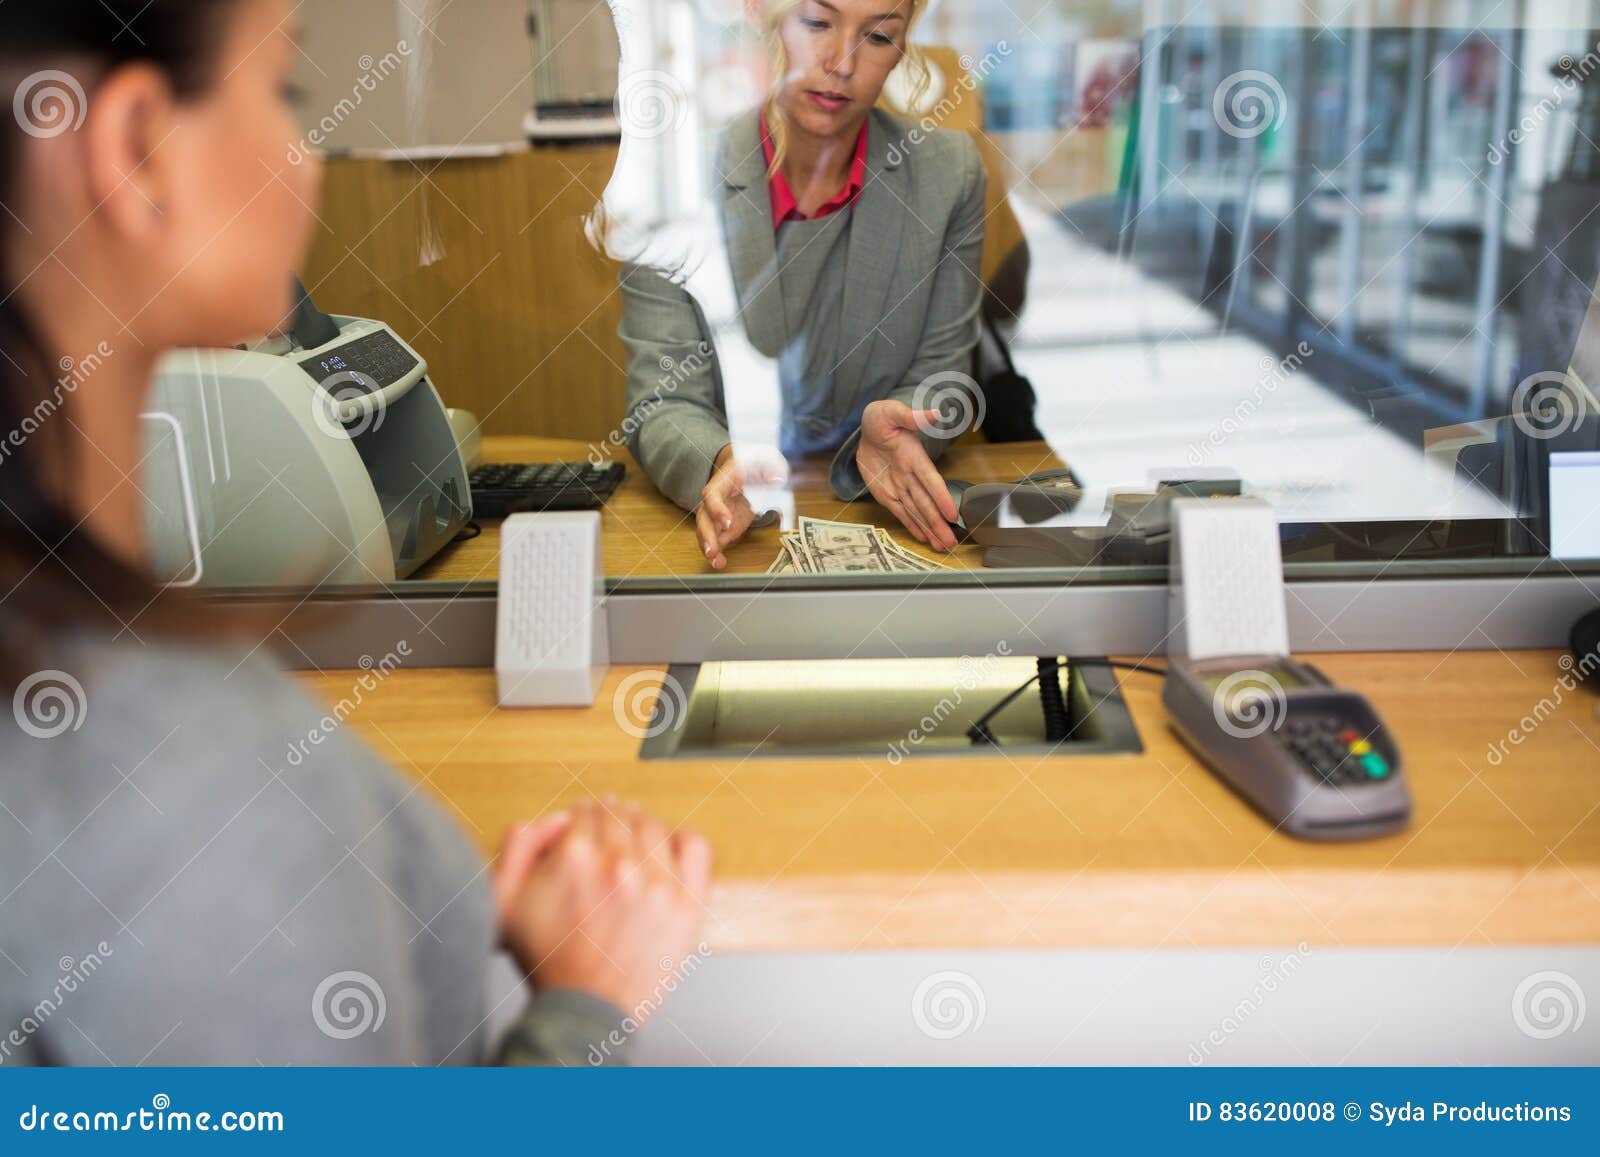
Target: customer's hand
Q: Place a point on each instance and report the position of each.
(725, 515)
(604, 900)
(896, 468)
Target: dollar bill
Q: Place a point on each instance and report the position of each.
(798, 562)
(843, 547)
(910, 559)
(819, 546)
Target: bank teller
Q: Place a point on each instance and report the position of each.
(854, 238)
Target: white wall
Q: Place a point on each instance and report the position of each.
(1272, 1007)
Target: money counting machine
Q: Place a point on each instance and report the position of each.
(323, 455)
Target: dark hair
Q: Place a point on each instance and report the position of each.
(53, 576)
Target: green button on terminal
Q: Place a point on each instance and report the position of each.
(1375, 765)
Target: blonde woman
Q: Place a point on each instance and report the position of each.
(854, 244)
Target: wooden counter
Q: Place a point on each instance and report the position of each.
(1144, 851)
(645, 535)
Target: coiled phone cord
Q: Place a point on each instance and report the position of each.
(1058, 721)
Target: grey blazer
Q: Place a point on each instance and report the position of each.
(911, 302)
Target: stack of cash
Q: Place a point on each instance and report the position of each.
(820, 547)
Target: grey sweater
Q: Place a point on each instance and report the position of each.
(187, 878)
(880, 301)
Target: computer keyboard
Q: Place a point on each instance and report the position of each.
(504, 489)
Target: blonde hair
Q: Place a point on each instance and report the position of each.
(915, 64)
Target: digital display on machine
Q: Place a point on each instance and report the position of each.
(1280, 677)
(375, 361)
(332, 364)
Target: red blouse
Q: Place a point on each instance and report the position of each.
(784, 205)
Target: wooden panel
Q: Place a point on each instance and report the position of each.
(1142, 851)
(516, 314)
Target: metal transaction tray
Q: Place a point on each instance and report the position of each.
(878, 708)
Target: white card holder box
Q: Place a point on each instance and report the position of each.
(1226, 596)
(551, 645)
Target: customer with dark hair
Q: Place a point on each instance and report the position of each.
(173, 889)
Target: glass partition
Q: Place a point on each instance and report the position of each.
(867, 291)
